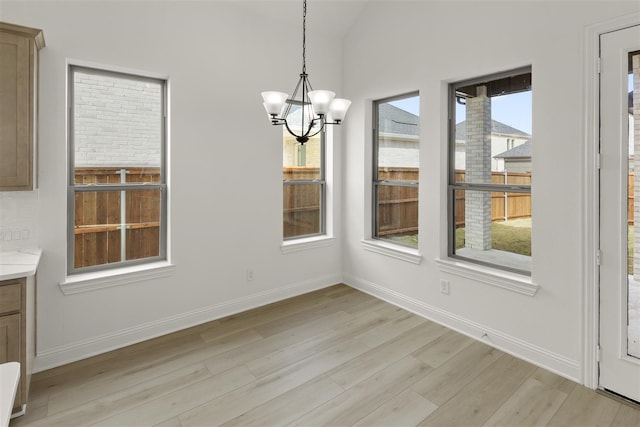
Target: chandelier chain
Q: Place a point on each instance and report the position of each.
(304, 37)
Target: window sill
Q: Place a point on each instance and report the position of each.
(306, 243)
(394, 251)
(120, 276)
(490, 276)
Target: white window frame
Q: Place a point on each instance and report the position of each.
(468, 186)
(130, 270)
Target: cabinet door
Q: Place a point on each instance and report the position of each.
(10, 338)
(10, 346)
(15, 112)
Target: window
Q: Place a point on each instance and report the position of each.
(396, 167)
(304, 186)
(490, 173)
(117, 197)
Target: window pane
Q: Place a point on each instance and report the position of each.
(494, 228)
(301, 161)
(302, 207)
(398, 144)
(493, 129)
(492, 144)
(633, 213)
(118, 123)
(103, 235)
(397, 214)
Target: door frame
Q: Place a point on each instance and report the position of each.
(591, 194)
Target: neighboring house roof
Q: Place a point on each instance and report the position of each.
(399, 121)
(496, 128)
(522, 151)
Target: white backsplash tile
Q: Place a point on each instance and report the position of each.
(18, 220)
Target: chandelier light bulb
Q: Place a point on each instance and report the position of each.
(274, 102)
(321, 100)
(338, 109)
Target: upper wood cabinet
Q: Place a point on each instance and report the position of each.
(19, 48)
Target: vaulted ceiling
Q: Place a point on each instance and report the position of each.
(329, 16)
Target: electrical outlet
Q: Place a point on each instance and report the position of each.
(16, 235)
(7, 236)
(444, 287)
(26, 234)
(249, 274)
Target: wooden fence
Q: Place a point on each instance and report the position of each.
(397, 206)
(504, 206)
(630, 190)
(98, 229)
(301, 203)
(99, 224)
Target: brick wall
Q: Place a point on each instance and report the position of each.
(399, 151)
(478, 162)
(117, 121)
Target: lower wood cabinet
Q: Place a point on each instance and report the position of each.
(17, 330)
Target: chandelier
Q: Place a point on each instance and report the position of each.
(307, 111)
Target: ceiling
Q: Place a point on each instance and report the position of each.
(339, 14)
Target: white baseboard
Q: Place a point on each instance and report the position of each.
(72, 352)
(538, 356)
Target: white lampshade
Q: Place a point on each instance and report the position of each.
(274, 102)
(338, 109)
(321, 100)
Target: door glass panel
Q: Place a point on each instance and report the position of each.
(633, 220)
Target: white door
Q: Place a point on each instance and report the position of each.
(619, 215)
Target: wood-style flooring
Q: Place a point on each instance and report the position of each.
(334, 357)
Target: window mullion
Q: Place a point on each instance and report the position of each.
(499, 188)
(398, 183)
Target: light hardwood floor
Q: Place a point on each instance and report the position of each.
(333, 357)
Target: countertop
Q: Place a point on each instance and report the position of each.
(20, 263)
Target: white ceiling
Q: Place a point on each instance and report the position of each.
(336, 16)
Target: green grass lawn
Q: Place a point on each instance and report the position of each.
(512, 236)
(505, 238)
(515, 239)
(411, 240)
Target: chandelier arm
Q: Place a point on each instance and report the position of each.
(286, 124)
(287, 109)
(315, 133)
(277, 121)
(302, 109)
(306, 134)
(310, 128)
